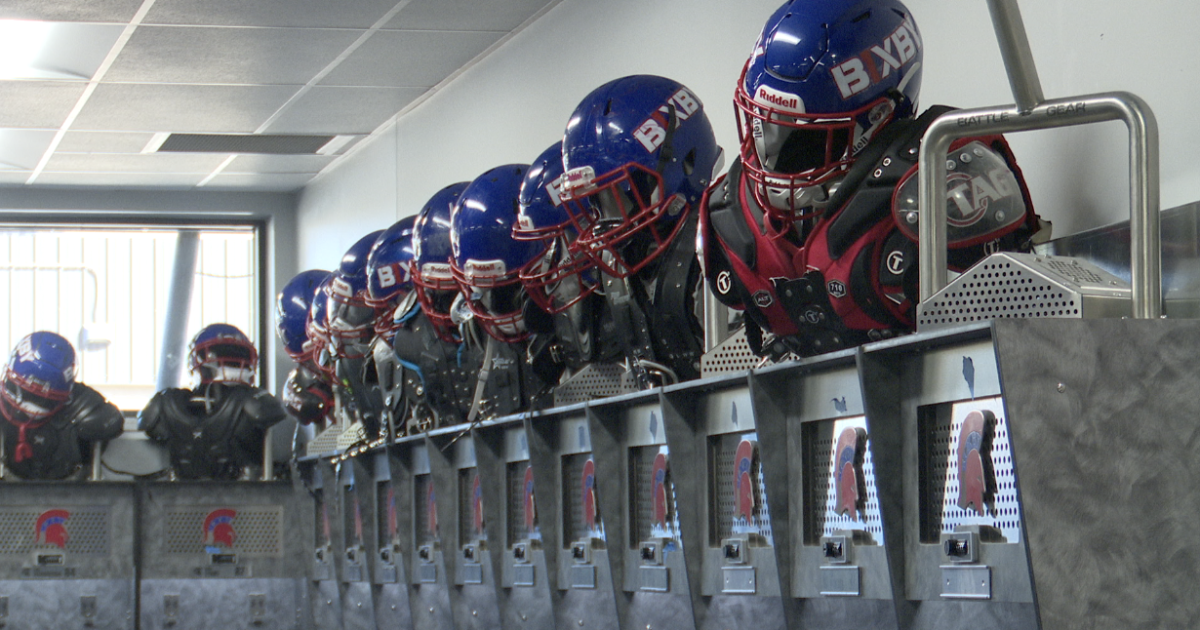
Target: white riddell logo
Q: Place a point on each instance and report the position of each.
(792, 103)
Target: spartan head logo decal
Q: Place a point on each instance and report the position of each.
(528, 502)
(743, 480)
(850, 485)
(218, 528)
(976, 479)
(51, 529)
(658, 482)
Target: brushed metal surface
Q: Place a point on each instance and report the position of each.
(1102, 417)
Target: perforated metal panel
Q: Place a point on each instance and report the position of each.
(1008, 285)
(87, 530)
(353, 528)
(326, 441)
(467, 532)
(594, 381)
(575, 527)
(822, 516)
(387, 524)
(257, 529)
(732, 355)
(724, 521)
(422, 486)
(940, 427)
(641, 490)
(322, 528)
(515, 514)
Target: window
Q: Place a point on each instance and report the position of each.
(106, 289)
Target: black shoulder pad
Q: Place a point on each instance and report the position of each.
(96, 418)
(262, 409)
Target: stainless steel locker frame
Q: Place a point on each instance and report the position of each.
(838, 571)
(736, 580)
(583, 588)
(220, 555)
(918, 388)
(317, 487)
(429, 584)
(472, 592)
(391, 530)
(358, 546)
(90, 580)
(649, 566)
(1100, 418)
(502, 456)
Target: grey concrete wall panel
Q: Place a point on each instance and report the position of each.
(576, 551)
(1103, 425)
(629, 440)
(728, 496)
(460, 508)
(502, 457)
(838, 566)
(920, 394)
(429, 597)
(67, 555)
(226, 553)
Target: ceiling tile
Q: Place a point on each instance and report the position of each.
(468, 15)
(22, 149)
(245, 56)
(120, 180)
(70, 10)
(288, 13)
(181, 108)
(311, 164)
(202, 163)
(43, 104)
(103, 142)
(343, 110)
(410, 58)
(14, 178)
(271, 182)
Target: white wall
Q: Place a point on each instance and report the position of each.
(515, 102)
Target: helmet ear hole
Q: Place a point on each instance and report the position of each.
(689, 163)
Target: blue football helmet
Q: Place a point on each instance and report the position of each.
(38, 378)
(824, 78)
(560, 275)
(389, 276)
(318, 328)
(350, 319)
(291, 311)
(486, 258)
(222, 352)
(432, 279)
(639, 152)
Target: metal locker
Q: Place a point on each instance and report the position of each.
(573, 524)
(460, 506)
(68, 550)
(390, 575)
(514, 519)
(429, 595)
(837, 572)
(221, 554)
(629, 439)
(729, 509)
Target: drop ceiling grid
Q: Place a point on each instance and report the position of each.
(230, 66)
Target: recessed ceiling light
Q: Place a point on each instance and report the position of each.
(21, 41)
